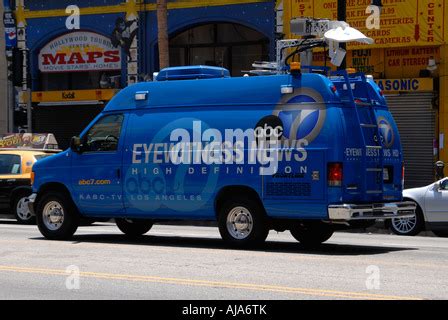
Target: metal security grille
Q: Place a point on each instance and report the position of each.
(64, 121)
(416, 122)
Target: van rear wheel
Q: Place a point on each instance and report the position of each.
(134, 227)
(57, 217)
(242, 223)
(312, 234)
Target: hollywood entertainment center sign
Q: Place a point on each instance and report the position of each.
(79, 51)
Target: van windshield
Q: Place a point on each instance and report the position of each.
(10, 164)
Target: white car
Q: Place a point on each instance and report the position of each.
(431, 214)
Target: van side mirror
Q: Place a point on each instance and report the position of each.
(76, 144)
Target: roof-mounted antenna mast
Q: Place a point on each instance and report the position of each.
(315, 33)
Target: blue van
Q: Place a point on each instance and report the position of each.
(304, 152)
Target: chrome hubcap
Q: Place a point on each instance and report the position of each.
(404, 225)
(240, 223)
(23, 212)
(53, 215)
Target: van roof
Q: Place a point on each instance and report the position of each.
(192, 73)
(259, 90)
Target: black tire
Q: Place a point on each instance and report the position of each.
(20, 209)
(70, 214)
(86, 222)
(257, 229)
(134, 227)
(398, 226)
(312, 234)
(441, 233)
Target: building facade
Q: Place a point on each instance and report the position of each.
(3, 80)
(80, 56)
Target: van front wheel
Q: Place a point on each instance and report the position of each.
(134, 227)
(57, 217)
(242, 223)
(312, 234)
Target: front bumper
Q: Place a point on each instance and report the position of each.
(30, 203)
(352, 212)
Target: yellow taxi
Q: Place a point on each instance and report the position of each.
(16, 162)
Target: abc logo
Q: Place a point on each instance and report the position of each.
(386, 132)
(139, 184)
(302, 113)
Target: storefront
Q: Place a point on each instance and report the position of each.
(411, 102)
(74, 71)
(78, 72)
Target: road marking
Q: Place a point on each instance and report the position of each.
(284, 255)
(206, 283)
(169, 249)
(420, 245)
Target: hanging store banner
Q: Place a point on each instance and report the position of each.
(409, 62)
(73, 95)
(369, 61)
(80, 51)
(406, 85)
(402, 23)
(9, 23)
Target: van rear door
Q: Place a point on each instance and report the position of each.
(368, 127)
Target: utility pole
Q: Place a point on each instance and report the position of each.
(162, 24)
(342, 16)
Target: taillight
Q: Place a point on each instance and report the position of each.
(32, 177)
(335, 174)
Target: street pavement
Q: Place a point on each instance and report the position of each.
(184, 262)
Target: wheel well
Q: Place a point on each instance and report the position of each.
(53, 186)
(418, 211)
(17, 192)
(229, 192)
(419, 208)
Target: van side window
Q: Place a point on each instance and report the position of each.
(104, 135)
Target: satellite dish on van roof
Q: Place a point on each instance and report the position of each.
(347, 34)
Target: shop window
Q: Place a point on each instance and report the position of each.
(227, 45)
